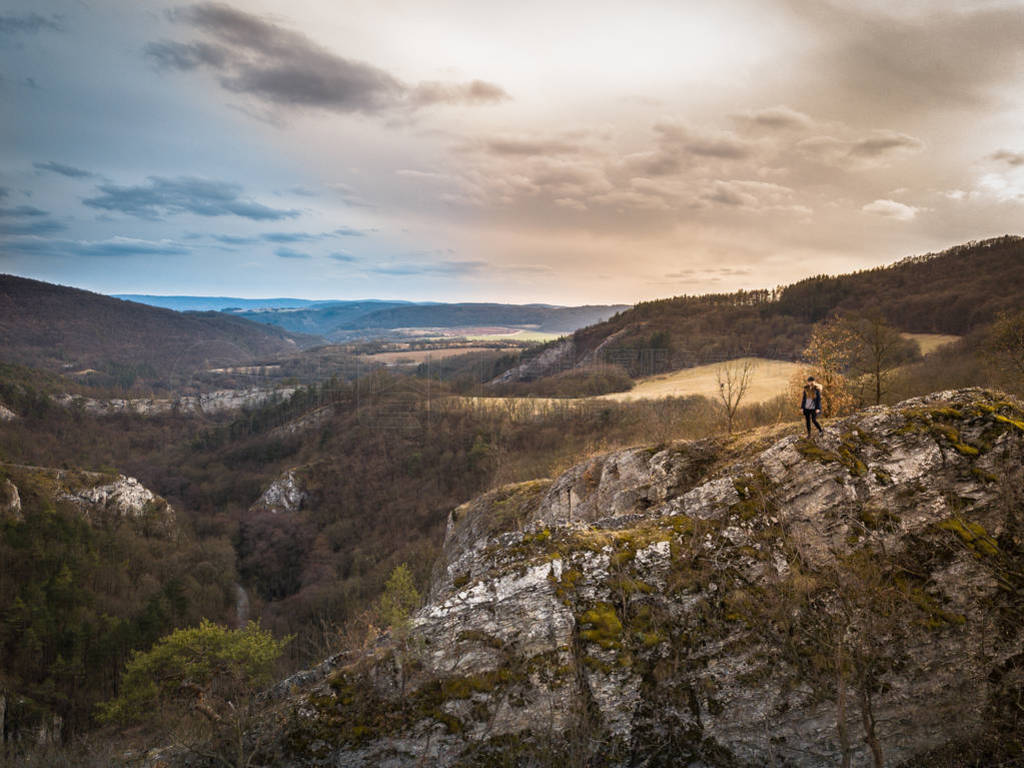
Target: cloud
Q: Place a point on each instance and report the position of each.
(235, 239)
(349, 232)
(753, 196)
(677, 145)
(472, 93)
(29, 23)
(880, 148)
(288, 253)
(283, 68)
(898, 60)
(184, 194)
(289, 237)
(26, 220)
(128, 246)
(342, 256)
(1009, 157)
(716, 144)
(776, 118)
(64, 170)
(440, 268)
(114, 246)
(885, 142)
(890, 209)
(34, 227)
(520, 147)
(21, 211)
(4, 192)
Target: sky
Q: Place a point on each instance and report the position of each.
(553, 151)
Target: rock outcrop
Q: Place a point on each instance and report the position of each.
(285, 495)
(208, 402)
(100, 497)
(764, 600)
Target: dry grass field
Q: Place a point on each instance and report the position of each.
(768, 379)
(929, 342)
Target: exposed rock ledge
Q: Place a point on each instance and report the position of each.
(209, 402)
(99, 496)
(752, 602)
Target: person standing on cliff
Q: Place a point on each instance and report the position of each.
(810, 404)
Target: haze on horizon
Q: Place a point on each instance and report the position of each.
(533, 152)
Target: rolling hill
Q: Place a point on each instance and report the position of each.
(65, 329)
(952, 292)
(343, 320)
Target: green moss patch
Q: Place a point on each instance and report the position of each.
(972, 534)
(601, 625)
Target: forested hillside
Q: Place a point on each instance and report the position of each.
(343, 319)
(950, 292)
(66, 329)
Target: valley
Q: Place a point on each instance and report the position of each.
(290, 486)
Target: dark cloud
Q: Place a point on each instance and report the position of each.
(29, 23)
(115, 246)
(776, 118)
(253, 56)
(235, 239)
(526, 147)
(4, 192)
(937, 58)
(885, 142)
(473, 92)
(21, 211)
(31, 227)
(184, 194)
(64, 170)
(349, 232)
(125, 246)
(290, 237)
(288, 253)
(1009, 157)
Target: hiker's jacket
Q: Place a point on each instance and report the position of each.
(817, 397)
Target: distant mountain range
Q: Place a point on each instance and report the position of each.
(346, 320)
(66, 329)
(208, 303)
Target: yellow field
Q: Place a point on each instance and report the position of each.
(929, 342)
(768, 379)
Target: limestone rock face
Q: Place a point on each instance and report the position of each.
(6, 414)
(763, 600)
(207, 402)
(10, 500)
(285, 495)
(100, 497)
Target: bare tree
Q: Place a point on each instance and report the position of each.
(733, 379)
(879, 350)
(1004, 346)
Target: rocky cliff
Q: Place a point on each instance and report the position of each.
(857, 599)
(217, 401)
